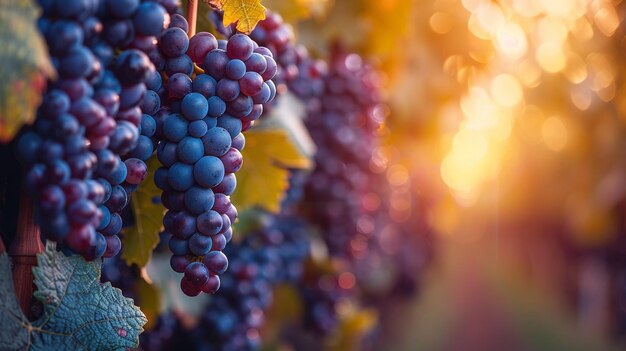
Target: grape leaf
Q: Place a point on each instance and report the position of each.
(355, 324)
(264, 177)
(24, 66)
(140, 239)
(247, 13)
(13, 334)
(288, 114)
(149, 297)
(79, 313)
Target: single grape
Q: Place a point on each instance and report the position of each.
(208, 171)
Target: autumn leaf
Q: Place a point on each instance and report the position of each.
(149, 296)
(288, 115)
(24, 66)
(140, 239)
(354, 325)
(268, 156)
(246, 13)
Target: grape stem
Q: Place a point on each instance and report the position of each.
(192, 16)
(23, 251)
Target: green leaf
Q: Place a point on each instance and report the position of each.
(268, 156)
(80, 313)
(24, 66)
(247, 13)
(140, 239)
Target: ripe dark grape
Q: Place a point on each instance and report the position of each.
(217, 106)
(200, 45)
(180, 64)
(173, 42)
(194, 106)
(205, 85)
(239, 46)
(150, 19)
(179, 21)
(196, 273)
(190, 149)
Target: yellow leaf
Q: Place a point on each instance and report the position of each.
(247, 13)
(264, 177)
(142, 238)
(24, 66)
(355, 324)
(149, 297)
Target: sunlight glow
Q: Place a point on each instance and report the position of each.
(531, 41)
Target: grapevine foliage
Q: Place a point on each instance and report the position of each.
(269, 155)
(140, 239)
(24, 65)
(79, 312)
(246, 13)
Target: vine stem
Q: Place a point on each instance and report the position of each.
(192, 16)
(23, 251)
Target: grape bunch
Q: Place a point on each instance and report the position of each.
(134, 27)
(278, 37)
(345, 132)
(271, 254)
(122, 276)
(59, 152)
(308, 84)
(201, 143)
(167, 334)
(245, 294)
(85, 154)
(321, 295)
(298, 72)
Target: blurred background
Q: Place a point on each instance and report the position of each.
(435, 175)
(506, 128)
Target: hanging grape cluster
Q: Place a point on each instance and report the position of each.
(201, 128)
(90, 120)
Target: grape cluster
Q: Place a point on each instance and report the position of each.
(308, 85)
(245, 293)
(321, 295)
(272, 254)
(345, 132)
(122, 276)
(278, 36)
(88, 121)
(167, 334)
(298, 73)
(201, 143)
(134, 27)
